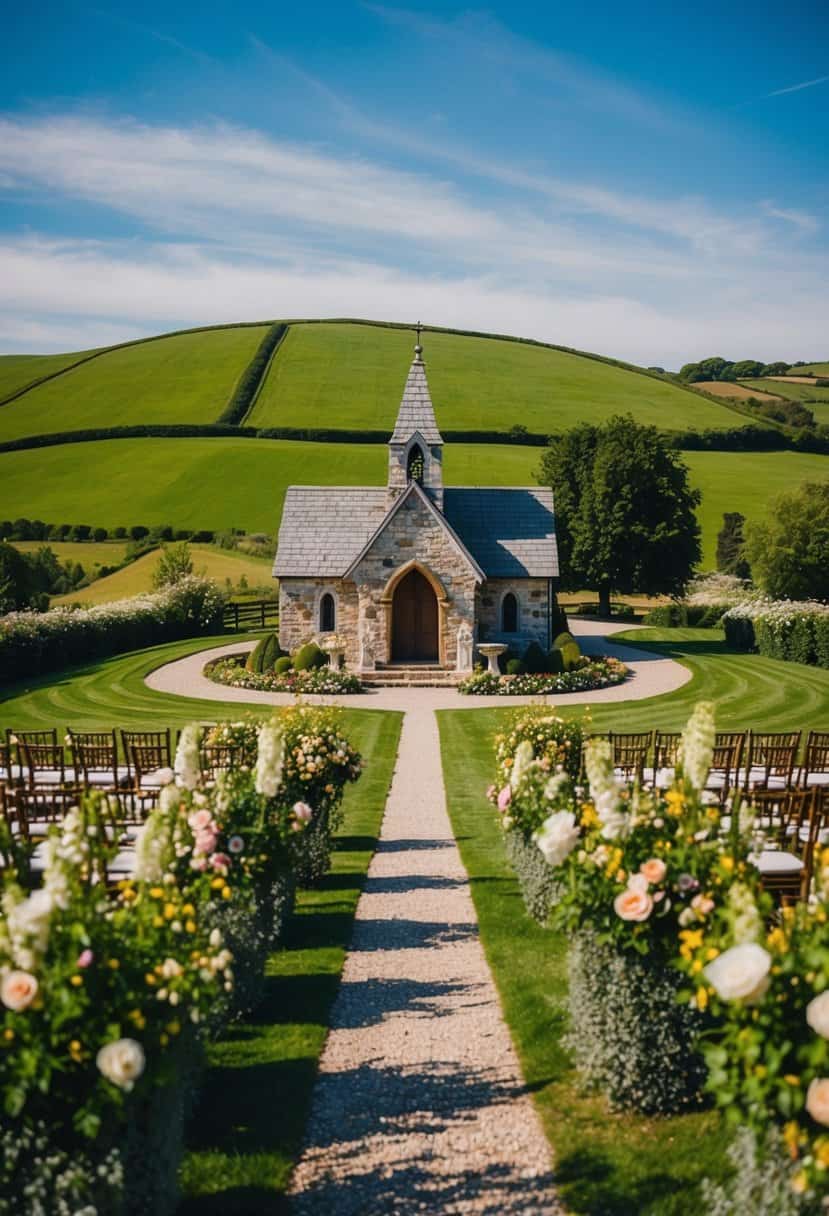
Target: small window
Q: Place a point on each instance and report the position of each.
(328, 615)
(509, 614)
(414, 469)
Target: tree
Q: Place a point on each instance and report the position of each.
(747, 369)
(731, 557)
(789, 550)
(174, 564)
(16, 586)
(625, 514)
(776, 369)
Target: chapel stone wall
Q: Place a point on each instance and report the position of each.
(533, 611)
(299, 616)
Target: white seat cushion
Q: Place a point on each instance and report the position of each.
(773, 862)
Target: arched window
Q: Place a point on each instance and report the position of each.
(414, 468)
(509, 613)
(328, 614)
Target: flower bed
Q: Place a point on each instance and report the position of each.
(33, 642)
(634, 870)
(320, 680)
(106, 998)
(596, 673)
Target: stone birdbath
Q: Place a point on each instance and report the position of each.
(491, 651)
(334, 647)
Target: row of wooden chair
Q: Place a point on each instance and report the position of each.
(795, 825)
(742, 760)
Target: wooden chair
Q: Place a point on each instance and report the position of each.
(630, 753)
(95, 758)
(14, 828)
(770, 759)
(15, 740)
(47, 791)
(724, 774)
(155, 749)
(791, 823)
(815, 767)
(217, 758)
(145, 761)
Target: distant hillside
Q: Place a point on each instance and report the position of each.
(342, 375)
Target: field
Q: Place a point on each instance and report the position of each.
(341, 375)
(815, 369)
(16, 371)
(136, 578)
(89, 553)
(240, 483)
(187, 378)
(732, 391)
(792, 390)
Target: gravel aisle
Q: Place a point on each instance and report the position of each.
(419, 1105)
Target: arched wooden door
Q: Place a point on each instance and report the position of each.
(414, 620)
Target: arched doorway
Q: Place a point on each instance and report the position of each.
(414, 620)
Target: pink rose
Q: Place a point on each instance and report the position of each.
(504, 798)
(17, 990)
(205, 842)
(817, 1100)
(220, 861)
(296, 826)
(633, 904)
(199, 864)
(303, 811)
(490, 793)
(85, 958)
(702, 905)
(201, 821)
(654, 869)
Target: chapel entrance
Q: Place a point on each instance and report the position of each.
(414, 620)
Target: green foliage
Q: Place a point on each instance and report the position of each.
(570, 655)
(264, 654)
(789, 551)
(730, 546)
(555, 661)
(535, 660)
(175, 562)
(625, 512)
(283, 664)
(515, 667)
(562, 640)
(251, 379)
(15, 579)
(717, 368)
(309, 656)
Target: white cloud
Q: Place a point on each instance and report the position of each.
(795, 88)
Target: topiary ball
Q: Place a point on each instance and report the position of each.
(555, 662)
(515, 667)
(571, 655)
(309, 656)
(535, 660)
(282, 665)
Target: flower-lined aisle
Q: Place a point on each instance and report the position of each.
(109, 994)
(686, 982)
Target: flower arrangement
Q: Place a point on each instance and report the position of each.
(766, 978)
(33, 642)
(596, 673)
(321, 681)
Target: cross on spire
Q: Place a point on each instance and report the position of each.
(418, 348)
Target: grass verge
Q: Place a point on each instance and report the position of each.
(247, 1131)
(607, 1164)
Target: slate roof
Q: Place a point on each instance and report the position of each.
(509, 532)
(416, 411)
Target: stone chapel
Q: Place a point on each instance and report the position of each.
(416, 573)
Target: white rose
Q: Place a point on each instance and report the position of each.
(17, 990)
(121, 1062)
(557, 837)
(741, 973)
(817, 1014)
(524, 756)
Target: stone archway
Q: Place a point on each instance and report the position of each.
(415, 602)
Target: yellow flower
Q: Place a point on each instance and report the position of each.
(776, 939)
(217, 884)
(190, 926)
(676, 801)
(158, 921)
(727, 863)
(76, 980)
(113, 963)
(791, 1136)
(8, 1034)
(822, 1152)
(169, 911)
(711, 953)
(150, 978)
(188, 910)
(75, 1051)
(702, 999)
(696, 966)
(128, 894)
(173, 1027)
(761, 1072)
(156, 892)
(791, 1079)
(226, 893)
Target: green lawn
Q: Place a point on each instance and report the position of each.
(247, 1130)
(813, 369)
(240, 483)
(137, 577)
(188, 378)
(90, 553)
(794, 392)
(341, 375)
(606, 1164)
(16, 371)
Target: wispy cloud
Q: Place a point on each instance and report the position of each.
(803, 221)
(795, 88)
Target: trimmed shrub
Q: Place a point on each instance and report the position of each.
(821, 626)
(570, 655)
(562, 639)
(515, 667)
(283, 664)
(535, 660)
(539, 887)
(629, 1035)
(309, 656)
(264, 654)
(555, 662)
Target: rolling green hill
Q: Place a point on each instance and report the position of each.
(346, 375)
(223, 483)
(790, 390)
(16, 371)
(184, 378)
(137, 577)
(813, 369)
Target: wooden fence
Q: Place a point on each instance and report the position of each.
(252, 614)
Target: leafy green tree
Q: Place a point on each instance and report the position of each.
(16, 587)
(174, 564)
(776, 369)
(625, 514)
(789, 550)
(731, 558)
(747, 369)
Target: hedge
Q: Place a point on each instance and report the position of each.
(251, 379)
(796, 632)
(32, 643)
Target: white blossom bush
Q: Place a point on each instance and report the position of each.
(792, 630)
(40, 1179)
(33, 642)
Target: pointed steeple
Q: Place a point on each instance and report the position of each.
(416, 411)
(416, 445)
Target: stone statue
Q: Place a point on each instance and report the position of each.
(367, 660)
(464, 657)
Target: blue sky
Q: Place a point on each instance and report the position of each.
(647, 181)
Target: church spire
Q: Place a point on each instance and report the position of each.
(416, 412)
(416, 445)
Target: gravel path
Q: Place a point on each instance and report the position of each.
(419, 1105)
(652, 677)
